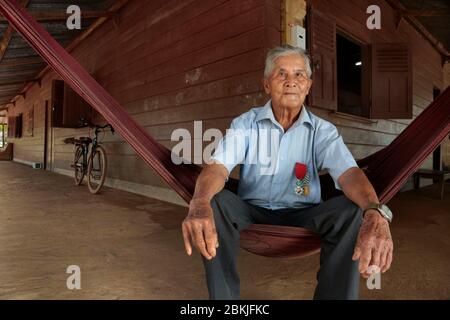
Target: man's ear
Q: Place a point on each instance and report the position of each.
(266, 85)
(310, 82)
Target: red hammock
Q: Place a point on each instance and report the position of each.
(387, 169)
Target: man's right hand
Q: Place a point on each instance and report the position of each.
(199, 229)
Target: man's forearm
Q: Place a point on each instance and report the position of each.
(210, 181)
(357, 187)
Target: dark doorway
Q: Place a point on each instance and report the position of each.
(437, 155)
(48, 137)
(349, 76)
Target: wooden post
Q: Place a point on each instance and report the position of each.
(3, 135)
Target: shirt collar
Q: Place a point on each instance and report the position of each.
(267, 113)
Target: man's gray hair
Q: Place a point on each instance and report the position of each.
(282, 51)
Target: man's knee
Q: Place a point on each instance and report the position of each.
(223, 195)
(221, 201)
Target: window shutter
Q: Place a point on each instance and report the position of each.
(322, 36)
(391, 81)
(57, 103)
(74, 108)
(11, 127)
(18, 126)
(67, 106)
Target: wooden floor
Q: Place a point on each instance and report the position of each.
(130, 247)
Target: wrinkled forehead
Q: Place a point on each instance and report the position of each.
(290, 62)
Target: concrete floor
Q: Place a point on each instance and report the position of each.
(130, 247)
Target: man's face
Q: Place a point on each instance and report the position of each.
(288, 85)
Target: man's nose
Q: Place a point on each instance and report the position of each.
(290, 81)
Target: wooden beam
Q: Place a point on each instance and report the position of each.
(425, 13)
(58, 15)
(15, 62)
(97, 23)
(12, 83)
(7, 35)
(396, 5)
(4, 43)
(112, 10)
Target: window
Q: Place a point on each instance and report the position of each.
(349, 76)
(380, 87)
(68, 107)
(15, 127)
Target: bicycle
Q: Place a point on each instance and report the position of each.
(90, 162)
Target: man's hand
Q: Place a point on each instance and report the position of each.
(199, 229)
(374, 245)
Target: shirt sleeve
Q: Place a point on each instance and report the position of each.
(332, 154)
(232, 148)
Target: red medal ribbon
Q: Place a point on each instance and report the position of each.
(300, 170)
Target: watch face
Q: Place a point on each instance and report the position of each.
(387, 211)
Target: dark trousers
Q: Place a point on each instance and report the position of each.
(337, 221)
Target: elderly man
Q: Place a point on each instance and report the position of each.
(354, 227)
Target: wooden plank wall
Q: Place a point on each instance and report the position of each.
(168, 63)
(172, 62)
(361, 136)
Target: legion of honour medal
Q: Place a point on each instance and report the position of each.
(302, 183)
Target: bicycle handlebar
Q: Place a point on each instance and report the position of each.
(98, 128)
(84, 123)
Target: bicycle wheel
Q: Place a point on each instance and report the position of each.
(78, 165)
(96, 172)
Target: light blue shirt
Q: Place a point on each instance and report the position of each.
(268, 156)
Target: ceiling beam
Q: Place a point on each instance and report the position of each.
(112, 11)
(12, 83)
(425, 13)
(4, 43)
(16, 62)
(7, 35)
(58, 15)
(399, 8)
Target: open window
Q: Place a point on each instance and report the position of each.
(349, 76)
(15, 126)
(68, 107)
(372, 80)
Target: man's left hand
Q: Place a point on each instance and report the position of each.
(374, 245)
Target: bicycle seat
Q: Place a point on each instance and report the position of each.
(84, 140)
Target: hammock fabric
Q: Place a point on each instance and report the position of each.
(388, 169)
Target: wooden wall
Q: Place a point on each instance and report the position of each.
(168, 63)
(361, 136)
(172, 62)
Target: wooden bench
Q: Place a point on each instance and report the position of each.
(441, 176)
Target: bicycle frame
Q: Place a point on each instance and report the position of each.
(92, 146)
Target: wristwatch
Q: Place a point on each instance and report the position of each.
(382, 209)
